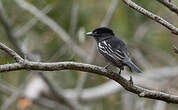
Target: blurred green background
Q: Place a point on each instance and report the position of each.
(153, 41)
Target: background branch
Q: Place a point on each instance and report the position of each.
(149, 47)
(90, 59)
(154, 17)
(169, 5)
(29, 25)
(107, 18)
(7, 27)
(30, 57)
(53, 25)
(12, 53)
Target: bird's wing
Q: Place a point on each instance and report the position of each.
(118, 52)
(120, 48)
(115, 53)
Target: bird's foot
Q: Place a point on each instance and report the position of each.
(120, 72)
(107, 66)
(131, 80)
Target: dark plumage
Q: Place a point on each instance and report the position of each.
(113, 49)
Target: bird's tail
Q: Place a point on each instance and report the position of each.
(133, 67)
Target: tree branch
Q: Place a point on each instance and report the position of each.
(12, 53)
(107, 18)
(142, 92)
(105, 22)
(44, 102)
(53, 25)
(154, 17)
(59, 93)
(169, 5)
(7, 27)
(21, 30)
(72, 105)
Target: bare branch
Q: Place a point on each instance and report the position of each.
(70, 103)
(58, 92)
(12, 53)
(112, 7)
(53, 25)
(142, 92)
(111, 87)
(10, 100)
(154, 17)
(74, 18)
(14, 96)
(50, 104)
(147, 80)
(8, 90)
(169, 5)
(25, 28)
(104, 22)
(84, 75)
(7, 26)
(27, 65)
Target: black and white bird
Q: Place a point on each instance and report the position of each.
(113, 49)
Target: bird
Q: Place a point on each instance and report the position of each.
(113, 49)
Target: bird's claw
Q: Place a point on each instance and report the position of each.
(131, 80)
(120, 72)
(107, 66)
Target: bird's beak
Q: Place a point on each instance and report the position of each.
(89, 33)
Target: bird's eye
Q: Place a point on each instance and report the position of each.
(95, 32)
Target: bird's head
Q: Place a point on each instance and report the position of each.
(101, 33)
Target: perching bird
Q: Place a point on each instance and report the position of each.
(113, 49)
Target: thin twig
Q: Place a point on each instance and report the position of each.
(25, 28)
(58, 92)
(169, 5)
(7, 26)
(154, 17)
(112, 7)
(74, 17)
(44, 102)
(50, 104)
(84, 75)
(14, 96)
(12, 53)
(53, 25)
